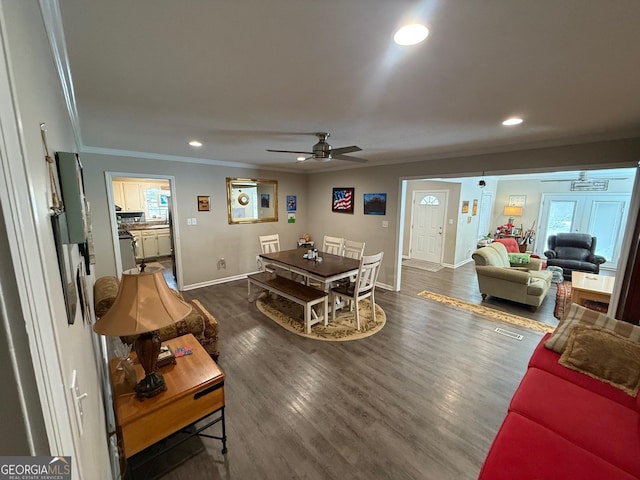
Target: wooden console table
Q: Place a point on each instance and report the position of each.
(195, 391)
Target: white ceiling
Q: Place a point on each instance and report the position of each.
(242, 76)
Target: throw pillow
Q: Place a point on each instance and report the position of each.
(519, 258)
(604, 355)
(579, 315)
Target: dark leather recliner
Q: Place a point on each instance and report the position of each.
(573, 251)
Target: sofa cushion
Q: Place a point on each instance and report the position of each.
(547, 360)
(583, 316)
(586, 419)
(525, 450)
(604, 355)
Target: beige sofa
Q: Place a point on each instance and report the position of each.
(525, 283)
(199, 322)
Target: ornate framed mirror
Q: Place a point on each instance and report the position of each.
(252, 201)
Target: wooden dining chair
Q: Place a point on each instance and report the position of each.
(353, 249)
(268, 244)
(363, 287)
(333, 245)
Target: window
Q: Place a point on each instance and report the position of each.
(430, 200)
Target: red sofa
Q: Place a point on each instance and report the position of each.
(563, 424)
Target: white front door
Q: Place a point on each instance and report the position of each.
(427, 225)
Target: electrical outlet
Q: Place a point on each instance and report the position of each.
(222, 263)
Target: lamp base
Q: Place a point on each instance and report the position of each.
(151, 385)
(147, 348)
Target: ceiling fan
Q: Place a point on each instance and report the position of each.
(582, 177)
(323, 152)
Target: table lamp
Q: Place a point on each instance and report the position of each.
(143, 305)
(512, 211)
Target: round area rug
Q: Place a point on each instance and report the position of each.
(290, 315)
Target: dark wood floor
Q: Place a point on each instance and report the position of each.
(421, 399)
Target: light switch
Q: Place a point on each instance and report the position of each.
(77, 400)
(194, 221)
(385, 224)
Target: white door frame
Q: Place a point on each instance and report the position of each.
(174, 217)
(19, 210)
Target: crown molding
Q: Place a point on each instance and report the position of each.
(55, 33)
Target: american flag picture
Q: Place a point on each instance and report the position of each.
(343, 200)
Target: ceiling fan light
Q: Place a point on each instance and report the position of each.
(195, 143)
(301, 159)
(509, 122)
(411, 34)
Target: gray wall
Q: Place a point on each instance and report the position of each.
(36, 95)
(202, 245)
(609, 154)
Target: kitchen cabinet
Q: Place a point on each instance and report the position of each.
(137, 235)
(164, 242)
(118, 194)
(152, 243)
(129, 196)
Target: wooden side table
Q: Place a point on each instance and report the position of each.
(591, 286)
(195, 391)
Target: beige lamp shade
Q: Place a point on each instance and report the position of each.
(511, 211)
(144, 303)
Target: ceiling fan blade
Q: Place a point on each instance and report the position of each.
(348, 158)
(559, 180)
(339, 151)
(289, 151)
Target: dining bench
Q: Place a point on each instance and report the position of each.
(299, 293)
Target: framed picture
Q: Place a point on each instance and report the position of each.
(517, 200)
(516, 231)
(375, 203)
(67, 277)
(203, 203)
(264, 200)
(474, 209)
(291, 203)
(342, 200)
(465, 206)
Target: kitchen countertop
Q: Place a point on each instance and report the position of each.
(143, 226)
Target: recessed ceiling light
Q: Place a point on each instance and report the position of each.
(512, 121)
(411, 34)
(195, 143)
(300, 159)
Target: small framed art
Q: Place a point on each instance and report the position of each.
(375, 203)
(342, 200)
(292, 203)
(204, 204)
(465, 206)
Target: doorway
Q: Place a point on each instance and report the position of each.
(142, 213)
(598, 214)
(427, 225)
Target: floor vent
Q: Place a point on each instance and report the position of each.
(507, 333)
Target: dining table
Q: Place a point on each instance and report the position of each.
(327, 269)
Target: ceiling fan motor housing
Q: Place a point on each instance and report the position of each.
(322, 150)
